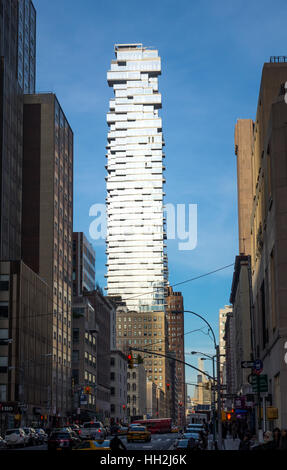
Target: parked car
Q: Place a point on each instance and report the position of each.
(175, 429)
(32, 436)
(185, 444)
(62, 440)
(195, 427)
(43, 436)
(76, 429)
(123, 430)
(93, 430)
(139, 433)
(93, 445)
(3, 443)
(16, 437)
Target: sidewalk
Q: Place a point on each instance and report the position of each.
(228, 444)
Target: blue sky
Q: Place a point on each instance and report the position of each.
(212, 55)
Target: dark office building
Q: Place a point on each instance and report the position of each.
(175, 320)
(47, 224)
(84, 259)
(103, 308)
(17, 75)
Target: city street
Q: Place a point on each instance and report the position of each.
(158, 442)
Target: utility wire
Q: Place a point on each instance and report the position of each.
(181, 282)
(22, 317)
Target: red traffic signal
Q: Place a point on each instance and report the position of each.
(130, 361)
(167, 386)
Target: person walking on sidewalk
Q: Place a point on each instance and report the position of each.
(116, 444)
(245, 442)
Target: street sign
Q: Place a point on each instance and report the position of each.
(258, 367)
(259, 383)
(247, 364)
(8, 407)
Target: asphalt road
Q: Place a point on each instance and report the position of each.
(158, 442)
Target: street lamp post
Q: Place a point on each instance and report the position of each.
(208, 356)
(216, 346)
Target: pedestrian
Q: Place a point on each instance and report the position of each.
(224, 431)
(283, 440)
(276, 437)
(268, 444)
(116, 444)
(234, 430)
(245, 442)
(202, 440)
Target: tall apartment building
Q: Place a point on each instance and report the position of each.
(25, 345)
(175, 321)
(223, 313)
(17, 75)
(262, 189)
(119, 370)
(136, 392)
(85, 331)
(146, 331)
(243, 148)
(240, 298)
(136, 268)
(103, 314)
(84, 259)
(268, 231)
(47, 225)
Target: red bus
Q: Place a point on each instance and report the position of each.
(159, 426)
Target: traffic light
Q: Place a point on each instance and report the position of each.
(88, 390)
(167, 386)
(130, 361)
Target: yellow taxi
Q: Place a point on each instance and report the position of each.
(175, 429)
(93, 445)
(138, 433)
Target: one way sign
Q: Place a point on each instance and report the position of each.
(247, 364)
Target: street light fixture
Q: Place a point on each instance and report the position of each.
(216, 347)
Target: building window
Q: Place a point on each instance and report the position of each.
(3, 309)
(3, 333)
(75, 355)
(3, 364)
(76, 335)
(3, 392)
(4, 282)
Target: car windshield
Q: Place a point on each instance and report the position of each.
(92, 425)
(182, 443)
(139, 428)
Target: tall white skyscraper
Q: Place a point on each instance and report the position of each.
(136, 264)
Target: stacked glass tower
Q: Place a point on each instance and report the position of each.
(135, 224)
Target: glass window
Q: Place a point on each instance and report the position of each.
(3, 309)
(4, 282)
(3, 392)
(75, 355)
(3, 333)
